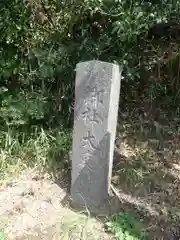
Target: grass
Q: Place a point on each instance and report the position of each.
(42, 149)
(77, 225)
(2, 231)
(73, 225)
(1, 235)
(125, 226)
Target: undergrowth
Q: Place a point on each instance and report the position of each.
(1, 235)
(42, 149)
(126, 226)
(1, 232)
(41, 43)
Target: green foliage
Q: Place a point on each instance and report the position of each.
(43, 149)
(1, 236)
(1, 231)
(38, 57)
(125, 226)
(42, 41)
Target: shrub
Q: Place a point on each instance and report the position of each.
(41, 42)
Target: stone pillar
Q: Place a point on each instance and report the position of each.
(97, 93)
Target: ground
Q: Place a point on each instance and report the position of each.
(30, 208)
(145, 181)
(147, 169)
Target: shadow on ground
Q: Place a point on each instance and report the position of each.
(146, 172)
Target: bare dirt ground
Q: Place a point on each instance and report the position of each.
(30, 208)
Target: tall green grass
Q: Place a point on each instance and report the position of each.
(40, 149)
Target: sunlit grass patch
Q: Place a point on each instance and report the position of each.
(42, 150)
(126, 226)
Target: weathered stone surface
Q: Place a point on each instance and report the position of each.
(95, 117)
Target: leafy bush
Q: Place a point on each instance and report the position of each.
(41, 42)
(125, 226)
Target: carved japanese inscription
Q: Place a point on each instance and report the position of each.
(95, 117)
